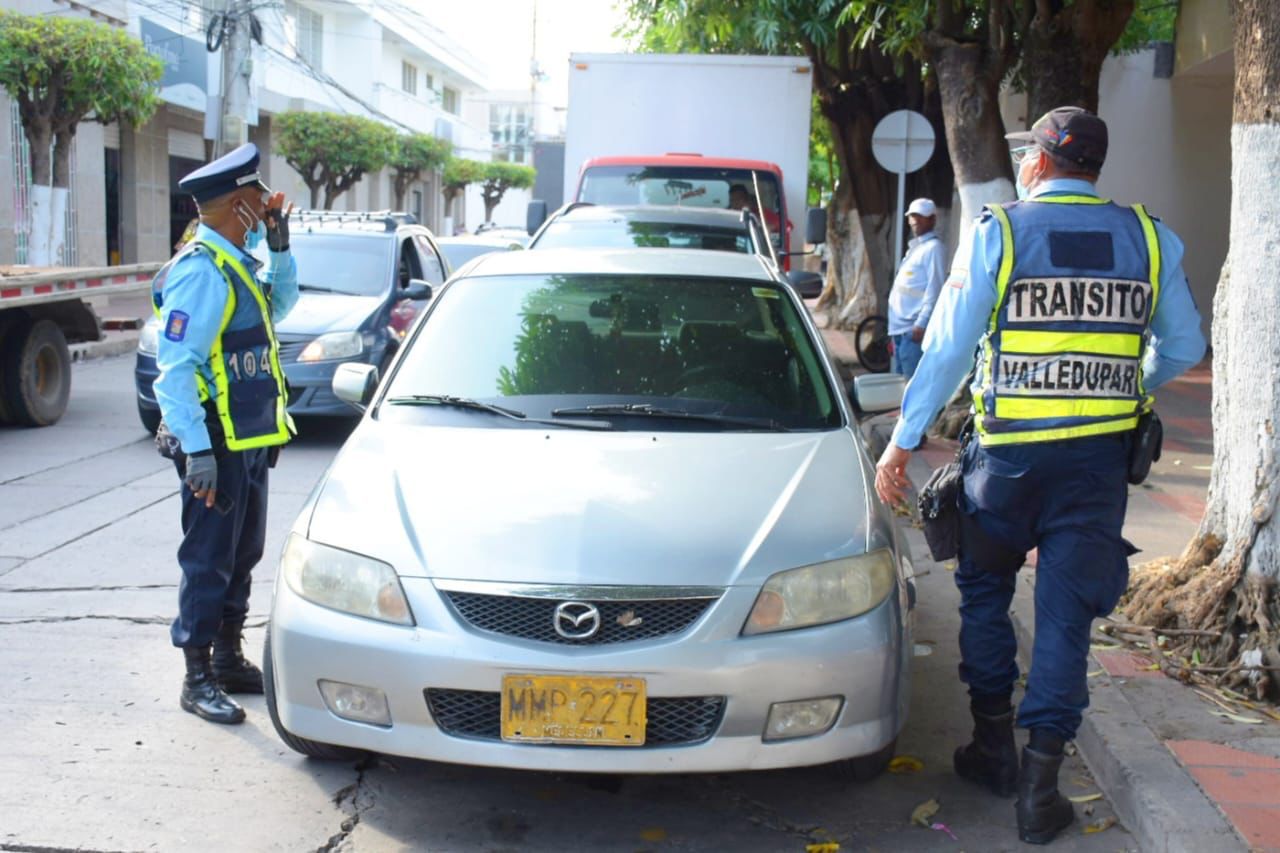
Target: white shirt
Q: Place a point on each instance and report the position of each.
(916, 287)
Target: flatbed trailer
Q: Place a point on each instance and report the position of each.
(41, 312)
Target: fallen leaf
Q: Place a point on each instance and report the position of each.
(1236, 718)
(949, 566)
(1100, 825)
(1104, 646)
(906, 764)
(1096, 673)
(921, 814)
(1085, 798)
(1195, 657)
(824, 847)
(1153, 668)
(942, 827)
(654, 833)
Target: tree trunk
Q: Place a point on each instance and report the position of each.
(490, 202)
(400, 184)
(1064, 52)
(1225, 581)
(849, 291)
(314, 188)
(969, 83)
(40, 141)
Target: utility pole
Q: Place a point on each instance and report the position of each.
(237, 69)
(535, 74)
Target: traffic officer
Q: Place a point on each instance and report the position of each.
(916, 286)
(1081, 310)
(222, 397)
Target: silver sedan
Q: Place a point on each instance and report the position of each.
(609, 511)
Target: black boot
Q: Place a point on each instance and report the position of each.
(991, 759)
(1042, 811)
(200, 692)
(234, 673)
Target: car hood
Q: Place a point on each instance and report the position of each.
(317, 313)
(564, 506)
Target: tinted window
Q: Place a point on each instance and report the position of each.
(551, 341)
(682, 186)
(620, 233)
(432, 270)
(343, 263)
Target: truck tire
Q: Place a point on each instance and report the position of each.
(37, 374)
(12, 324)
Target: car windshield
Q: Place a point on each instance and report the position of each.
(354, 264)
(458, 253)
(622, 233)
(684, 186)
(693, 345)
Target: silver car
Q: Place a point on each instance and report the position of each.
(609, 511)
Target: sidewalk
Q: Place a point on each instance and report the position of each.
(1181, 775)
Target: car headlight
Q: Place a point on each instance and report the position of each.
(149, 337)
(822, 593)
(344, 581)
(333, 346)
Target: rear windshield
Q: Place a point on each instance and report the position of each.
(537, 342)
(620, 233)
(684, 186)
(354, 264)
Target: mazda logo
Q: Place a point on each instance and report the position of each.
(576, 620)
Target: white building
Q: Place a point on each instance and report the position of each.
(378, 59)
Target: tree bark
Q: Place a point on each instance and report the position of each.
(1226, 579)
(400, 184)
(1063, 52)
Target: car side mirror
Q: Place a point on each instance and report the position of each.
(535, 215)
(877, 392)
(807, 284)
(355, 383)
(417, 290)
(815, 226)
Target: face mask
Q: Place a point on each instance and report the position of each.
(253, 239)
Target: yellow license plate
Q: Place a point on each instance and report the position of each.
(600, 710)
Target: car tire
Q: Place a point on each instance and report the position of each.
(37, 374)
(309, 748)
(864, 768)
(150, 418)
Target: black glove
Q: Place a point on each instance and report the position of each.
(277, 230)
(202, 471)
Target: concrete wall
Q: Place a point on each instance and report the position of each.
(144, 197)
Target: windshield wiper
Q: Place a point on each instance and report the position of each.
(491, 408)
(648, 410)
(318, 288)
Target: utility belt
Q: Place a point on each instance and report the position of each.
(949, 530)
(168, 446)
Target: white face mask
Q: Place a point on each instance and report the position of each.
(250, 222)
(1024, 187)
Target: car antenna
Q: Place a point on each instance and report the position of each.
(764, 223)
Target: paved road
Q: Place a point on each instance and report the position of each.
(96, 755)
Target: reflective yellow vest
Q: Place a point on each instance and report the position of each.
(1078, 282)
(251, 396)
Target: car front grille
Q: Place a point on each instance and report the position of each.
(680, 721)
(290, 350)
(534, 618)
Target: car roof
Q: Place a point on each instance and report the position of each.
(475, 240)
(672, 214)
(646, 261)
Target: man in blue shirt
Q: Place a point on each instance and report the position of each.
(1079, 309)
(916, 287)
(222, 397)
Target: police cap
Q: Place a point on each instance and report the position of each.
(1072, 133)
(230, 172)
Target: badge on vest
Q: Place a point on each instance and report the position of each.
(176, 328)
(1079, 300)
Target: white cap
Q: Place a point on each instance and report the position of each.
(923, 207)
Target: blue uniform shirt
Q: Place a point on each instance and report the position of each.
(969, 298)
(196, 288)
(917, 284)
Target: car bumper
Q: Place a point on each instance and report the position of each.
(861, 660)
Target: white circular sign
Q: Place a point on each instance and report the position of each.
(903, 141)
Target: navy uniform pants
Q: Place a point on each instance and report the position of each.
(220, 546)
(1068, 499)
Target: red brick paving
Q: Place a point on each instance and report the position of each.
(1190, 507)
(1123, 664)
(1246, 786)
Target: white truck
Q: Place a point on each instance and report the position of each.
(41, 310)
(686, 129)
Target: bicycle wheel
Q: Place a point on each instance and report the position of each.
(871, 341)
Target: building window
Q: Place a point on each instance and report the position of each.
(308, 32)
(431, 82)
(510, 130)
(409, 77)
(450, 100)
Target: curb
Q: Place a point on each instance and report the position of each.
(1154, 796)
(115, 344)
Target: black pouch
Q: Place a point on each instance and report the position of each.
(939, 505)
(1147, 441)
(167, 444)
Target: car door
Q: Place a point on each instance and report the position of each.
(435, 269)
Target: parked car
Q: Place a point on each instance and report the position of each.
(513, 233)
(582, 225)
(460, 250)
(630, 531)
(362, 277)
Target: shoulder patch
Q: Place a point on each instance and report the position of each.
(176, 328)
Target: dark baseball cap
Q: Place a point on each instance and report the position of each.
(1071, 133)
